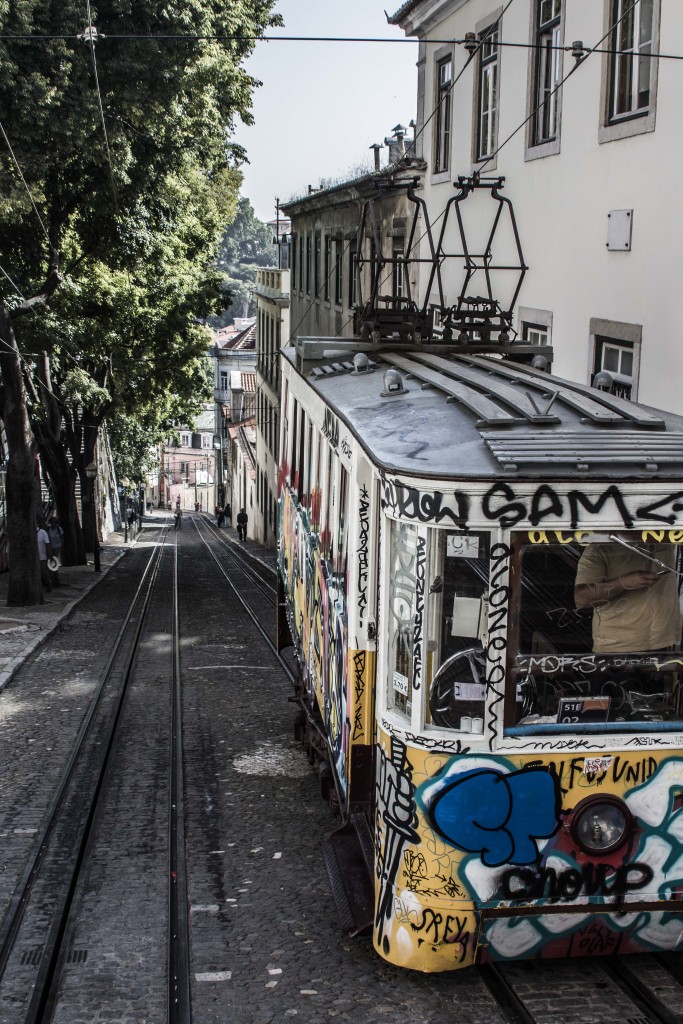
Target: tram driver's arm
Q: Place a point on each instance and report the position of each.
(591, 595)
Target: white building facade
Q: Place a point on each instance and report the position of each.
(272, 317)
(586, 138)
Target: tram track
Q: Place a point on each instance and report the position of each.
(606, 990)
(39, 929)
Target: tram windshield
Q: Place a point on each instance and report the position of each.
(595, 637)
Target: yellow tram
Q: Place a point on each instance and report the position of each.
(481, 573)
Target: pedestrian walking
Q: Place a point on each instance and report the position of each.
(44, 552)
(178, 518)
(56, 535)
(227, 511)
(242, 520)
(220, 517)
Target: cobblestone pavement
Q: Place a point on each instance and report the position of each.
(265, 939)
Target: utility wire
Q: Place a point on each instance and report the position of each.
(180, 37)
(396, 168)
(91, 39)
(559, 85)
(28, 190)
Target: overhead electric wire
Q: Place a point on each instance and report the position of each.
(396, 168)
(239, 38)
(559, 85)
(99, 98)
(25, 184)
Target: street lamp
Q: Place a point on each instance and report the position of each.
(91, 473)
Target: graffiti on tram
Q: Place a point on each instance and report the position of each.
(459, 836)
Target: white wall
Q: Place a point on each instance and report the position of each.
(562, 201)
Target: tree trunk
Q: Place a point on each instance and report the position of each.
(88, 486)
(47, 430)
(24, 586)
(63, 482)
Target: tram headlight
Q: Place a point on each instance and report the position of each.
(601, 824)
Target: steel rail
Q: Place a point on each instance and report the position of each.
(15, 910)
(179, 997)
(232, 549)
(649, 1004)
(287, 670)
(44, 991)
(504, 994)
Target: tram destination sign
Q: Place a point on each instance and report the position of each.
(579, 710)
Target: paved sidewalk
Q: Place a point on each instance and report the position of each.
(22, 629)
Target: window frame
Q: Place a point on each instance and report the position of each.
(488, 67)
(542, 143)
(640, 121)
(443, 110)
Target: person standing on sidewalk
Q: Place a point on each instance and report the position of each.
(242, 520)
(55, 533)
(44, 552)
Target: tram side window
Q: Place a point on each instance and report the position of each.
(316, 489)
(341, 553)
(598, 635)
(402, 605)
(458, 619)
(328, 504)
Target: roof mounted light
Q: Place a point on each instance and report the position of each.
(361, 363)
(603, 381)
(393, 384)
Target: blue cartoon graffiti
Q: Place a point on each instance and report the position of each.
(498, 815)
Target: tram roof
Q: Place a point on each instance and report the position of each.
(476, 415)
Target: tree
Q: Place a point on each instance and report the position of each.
(247, 245)
(98, 212)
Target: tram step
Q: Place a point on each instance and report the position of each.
(347, 854)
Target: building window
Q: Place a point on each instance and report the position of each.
(338, 273)
(309, 255)
(207, 440)
(488, 93)
(301, 264)
(327, 267)
(293, 261)
(185, 440)
(548, 71)
(632, 64)
(616, 357)
(442, 139)
(353, 271)
(224, 380)
(535, 334)
(316, 266)
(397, 271)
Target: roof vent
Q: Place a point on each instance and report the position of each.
(603, 381)
(393, 384)
(361, 363)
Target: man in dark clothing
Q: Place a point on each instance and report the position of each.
(242, 520)
(220, 516)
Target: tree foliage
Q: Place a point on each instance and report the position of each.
(246, 246)
(108, 242)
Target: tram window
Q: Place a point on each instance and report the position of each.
(598, 634)
(402, 607)
(342, 524)
(458, 617)
(326, 532)
(316, 490)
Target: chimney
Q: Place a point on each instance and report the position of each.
(376, 146)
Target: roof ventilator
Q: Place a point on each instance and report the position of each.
(393, 384)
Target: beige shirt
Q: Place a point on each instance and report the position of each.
(635, 620)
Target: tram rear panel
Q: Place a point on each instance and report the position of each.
(523, 705)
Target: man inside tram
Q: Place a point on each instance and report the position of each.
(633, 592)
